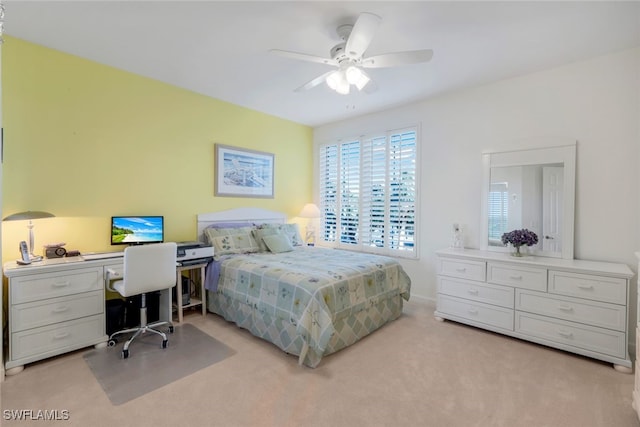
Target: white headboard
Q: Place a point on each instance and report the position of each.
(255, 215)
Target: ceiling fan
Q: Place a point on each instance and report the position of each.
(348, 56)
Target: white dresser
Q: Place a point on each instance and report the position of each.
(573, 305)
(54, 307)
(636, 389)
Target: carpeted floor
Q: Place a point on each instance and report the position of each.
(149, 366)
(413, 372)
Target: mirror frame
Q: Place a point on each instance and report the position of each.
(565, 154)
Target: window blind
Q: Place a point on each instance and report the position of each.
(368, 193)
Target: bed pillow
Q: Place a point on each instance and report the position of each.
(292, 231)
(237, 240)
(278, 243)
(260, 233)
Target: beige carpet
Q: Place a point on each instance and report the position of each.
(149, 366)
(413, 372)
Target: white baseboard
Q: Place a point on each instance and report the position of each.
(422, 299)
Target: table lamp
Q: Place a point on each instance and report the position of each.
(311, 212)
(30, 215)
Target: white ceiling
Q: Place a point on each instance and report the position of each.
(220, 49)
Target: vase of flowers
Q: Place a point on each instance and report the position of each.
(518, 238)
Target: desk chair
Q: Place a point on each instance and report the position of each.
(147, 268)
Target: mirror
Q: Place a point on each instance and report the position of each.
(532, 189)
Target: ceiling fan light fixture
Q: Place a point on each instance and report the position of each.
(337, 81)
(362, 81)
(353, 74)
(343, 87)
(333, 79)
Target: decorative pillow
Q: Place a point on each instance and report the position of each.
(232, 240)
(290, 230)
(293, 233)
(278, 243)
(260, 233)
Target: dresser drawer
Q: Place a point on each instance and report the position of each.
(472, 270)
(476, 311)
(46, 312)
(593, 313)
(51, 285)
(517, 276)
(604, 341)
(599, 288)
(59, 337)
(476, 291)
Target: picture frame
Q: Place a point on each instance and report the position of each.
(240, 172)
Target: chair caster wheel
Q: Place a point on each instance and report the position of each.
(112, 342)
(164, 343)
(125, 354)
(171, 329)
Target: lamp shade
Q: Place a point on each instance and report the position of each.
(310, 210)
(28, 215)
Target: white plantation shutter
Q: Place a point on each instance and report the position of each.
(349, 192)
(368, 193)
(328, 169)
(374, 192)
(402, 189)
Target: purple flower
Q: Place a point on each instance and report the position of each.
(520, 237)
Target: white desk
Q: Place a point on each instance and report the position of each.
(58, 305)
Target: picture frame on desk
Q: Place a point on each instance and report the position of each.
(241, 172)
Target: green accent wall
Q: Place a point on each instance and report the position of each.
(85, 141)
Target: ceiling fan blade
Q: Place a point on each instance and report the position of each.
(315, 82)
(398, 58)
(304, 57)
(362, 34)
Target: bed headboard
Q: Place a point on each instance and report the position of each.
(255, 215)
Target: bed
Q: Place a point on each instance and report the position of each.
(308, 301)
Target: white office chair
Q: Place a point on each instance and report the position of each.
(147, 268)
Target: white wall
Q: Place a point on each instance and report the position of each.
(595, 102)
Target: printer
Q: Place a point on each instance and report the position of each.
(190, 253)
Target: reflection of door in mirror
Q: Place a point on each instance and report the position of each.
(552, 188)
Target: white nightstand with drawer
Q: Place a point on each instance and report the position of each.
(574, 305)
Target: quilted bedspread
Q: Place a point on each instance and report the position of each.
(312, 287)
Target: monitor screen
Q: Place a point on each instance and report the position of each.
(137, 230)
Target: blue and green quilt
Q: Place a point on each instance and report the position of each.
(312, 288)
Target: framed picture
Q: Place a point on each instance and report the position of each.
(243, 173)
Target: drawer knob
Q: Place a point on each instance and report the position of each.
(60, 335)
(473, 311)
(565, 308)
(60, 284)
(472, 291)
(565, 334)
(586, 287)
(61, 309)
(461, 270)
(515, 277)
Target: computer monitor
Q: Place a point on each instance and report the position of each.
(137, 230)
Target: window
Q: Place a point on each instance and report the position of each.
(368, 193)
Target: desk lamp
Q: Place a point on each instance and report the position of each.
(30, 215)
(311, 212)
